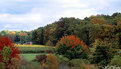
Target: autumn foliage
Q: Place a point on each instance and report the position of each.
(71, 47)
(51, 62)
(6, 42)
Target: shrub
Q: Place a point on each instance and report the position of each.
(63, 62)
(51, 62)
(116, 61)
(41, 58)
(15, 64)
(7, 51)
(61, 59)
(71, 47)
(77, 62)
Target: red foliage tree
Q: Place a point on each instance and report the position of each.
(71, 41)
(5, 41)
(71, 47)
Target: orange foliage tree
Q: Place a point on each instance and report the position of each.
(71, 47)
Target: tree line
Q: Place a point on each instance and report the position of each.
(104, 27)
(18, 37)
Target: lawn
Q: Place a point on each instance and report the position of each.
(30, 57)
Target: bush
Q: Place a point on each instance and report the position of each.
(41, 58)
(71, 47)
(7, 51)
(15, 64)
(61, 59)
(51, 62)
(63, 62)
(116, 61)
(77, 62)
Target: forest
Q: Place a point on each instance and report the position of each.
(69, 43)
(104, 27)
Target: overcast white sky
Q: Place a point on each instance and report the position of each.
(31, 14)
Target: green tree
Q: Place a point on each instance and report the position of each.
(38, 36)
(103, 52)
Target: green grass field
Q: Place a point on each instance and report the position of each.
(29, 52)
(30, 57)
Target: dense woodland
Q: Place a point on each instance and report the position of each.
(104, 27)
(90, 43)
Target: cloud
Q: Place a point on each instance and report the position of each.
(7, 26)
(20, 0)
(74, 5)
(30, 17)
(31, 14)
(27, 21)
(78, 13)
(67, 1)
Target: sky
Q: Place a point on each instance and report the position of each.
(31, 14)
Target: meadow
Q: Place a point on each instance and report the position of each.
(29, 52)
